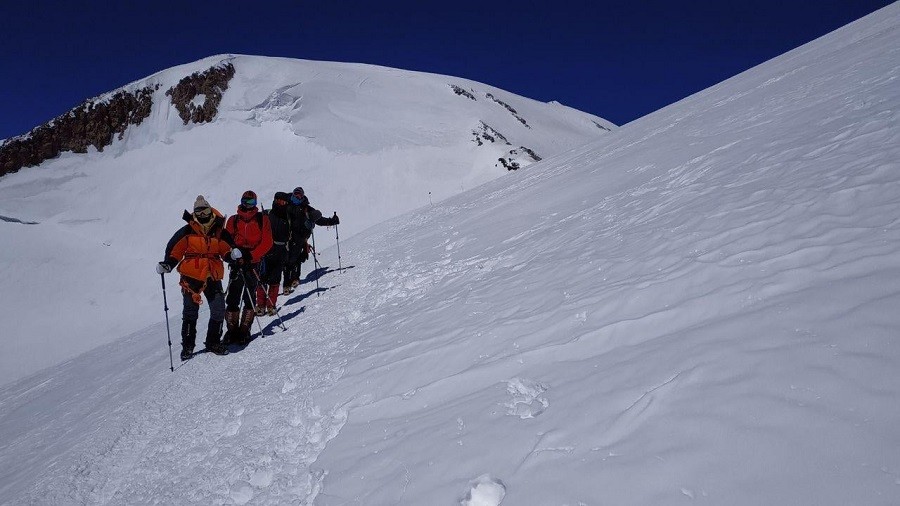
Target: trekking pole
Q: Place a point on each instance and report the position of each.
(252, 304)
(315, 260)
(277, 312)
(337, 239)
(168, 332)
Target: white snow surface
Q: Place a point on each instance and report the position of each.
(367, 142)
(699, 308)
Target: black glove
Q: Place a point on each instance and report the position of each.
(163, 268)
(335, 219)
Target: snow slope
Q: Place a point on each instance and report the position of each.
(368, 142)
(699, 308)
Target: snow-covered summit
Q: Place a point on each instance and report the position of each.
(361, 108)
(406, 138)
(366, 142)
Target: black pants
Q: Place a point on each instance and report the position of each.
(297, 254)
(273, 265)
(214, 297)
(236, 287)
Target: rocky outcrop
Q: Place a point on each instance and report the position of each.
(10, 219)
(509, 164)
(93, 123)
(459, 90)
(486, 133)
(530, 152)
(197, 96)
(509, 108)
(512, 163)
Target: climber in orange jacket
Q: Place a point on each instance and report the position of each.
(198, 249)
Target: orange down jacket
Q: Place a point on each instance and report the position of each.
(200, 253)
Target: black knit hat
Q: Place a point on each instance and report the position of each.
(281, 199)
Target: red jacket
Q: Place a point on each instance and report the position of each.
(251, 230)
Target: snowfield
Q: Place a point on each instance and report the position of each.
(700, 307)
(367, 142)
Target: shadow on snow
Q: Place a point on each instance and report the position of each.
(274, 325)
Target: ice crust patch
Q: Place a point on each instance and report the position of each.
(526, 398)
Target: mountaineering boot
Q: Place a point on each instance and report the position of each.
(188, 338)
(260, 300)
(213, 332)
(231, 326)
(243, 332)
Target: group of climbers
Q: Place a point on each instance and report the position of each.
(260, 247)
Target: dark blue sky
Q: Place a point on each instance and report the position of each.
(617, 59)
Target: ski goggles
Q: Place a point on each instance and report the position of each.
(203, 212)
(248, 202)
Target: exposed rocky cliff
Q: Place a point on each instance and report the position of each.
(89, 124)
(96, 122)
